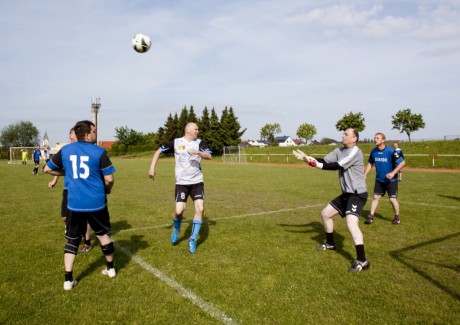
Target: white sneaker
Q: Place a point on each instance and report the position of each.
(111, 272)
(68, 285)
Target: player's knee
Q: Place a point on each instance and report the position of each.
(71, 246)
(108, 249)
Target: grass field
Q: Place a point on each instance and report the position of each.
(255, 264)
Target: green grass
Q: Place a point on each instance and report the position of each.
(255, 262)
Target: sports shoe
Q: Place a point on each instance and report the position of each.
(369, 220)
(86, 248)
(192, 246)
(68, 285)
(175, 236)
(358, 266)
(110, 272)
(325, 246)
(396, 221)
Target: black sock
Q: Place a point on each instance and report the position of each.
(69, 276)
(397, 216)
(88, 242)
(109, 265)
(330, 238)
(360, 255)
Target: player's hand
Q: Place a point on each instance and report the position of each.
(51, 184)
(152, 174)
(389, 176)
(301, 155)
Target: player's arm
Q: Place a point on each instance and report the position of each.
(53, 183)
(368, 168)
(155, 158)
(396, 170)
(109, 180)
(204, 151)
(54, 166)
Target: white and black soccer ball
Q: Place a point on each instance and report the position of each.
(141, 43)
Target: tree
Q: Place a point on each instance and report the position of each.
(351, 120)
(268, 131)
(21, 134)
(214, 136)
(204, 124)
(306, 131)
(406, 122)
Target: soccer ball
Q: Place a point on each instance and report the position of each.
(141, 43)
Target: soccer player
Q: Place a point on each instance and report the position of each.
(46, 156)
(400, 153)
(64, 210)
(89, 176)
(24, 157)
(387, 163)
(348, 160)
(37, 154)
(188, 152)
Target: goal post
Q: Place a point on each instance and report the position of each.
(16, 154)
(234, 154)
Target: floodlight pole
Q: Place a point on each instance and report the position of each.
(95, 105)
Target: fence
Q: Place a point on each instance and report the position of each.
(413, 160)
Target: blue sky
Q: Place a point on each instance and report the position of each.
(288, 62)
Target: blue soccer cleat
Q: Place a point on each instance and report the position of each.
(175, 236)
(192, 246)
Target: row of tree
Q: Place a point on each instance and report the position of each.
(216, 131)
(404, 121)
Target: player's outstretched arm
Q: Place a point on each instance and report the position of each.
(155, 158)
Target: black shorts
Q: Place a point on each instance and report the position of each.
(195, 191)
(349, 203)
(382, 188)
(76, 223)
(64, 210)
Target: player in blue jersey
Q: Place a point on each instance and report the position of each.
(387, 163)
(89, 178)
(64, 210)
(348, 160)
(37, 154)
(400, 153)
(188, 152)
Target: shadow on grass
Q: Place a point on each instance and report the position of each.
(456, 198)
(399, 256)
(204, 231)
(120, 260)
(319, 236)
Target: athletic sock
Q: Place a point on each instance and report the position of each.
(360, 255)
(196, 229)
(88, 242)
(109, 265)
(177, 222)
(330, 238)
(69, 276)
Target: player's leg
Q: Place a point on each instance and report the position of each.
(181, 196)
(197, 194)
(100, 223)
(354, 210)
(87, 244)
(378, 192)
(327, 215)
(74, 232)
(393, 195)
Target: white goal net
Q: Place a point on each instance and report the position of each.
(234, 154)
(16, 154)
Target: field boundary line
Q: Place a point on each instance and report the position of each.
(226, 218)
(184, 292)
(431, 205)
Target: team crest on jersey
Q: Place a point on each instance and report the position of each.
(181, 147)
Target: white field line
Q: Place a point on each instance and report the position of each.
(184, 292)
(229, 217)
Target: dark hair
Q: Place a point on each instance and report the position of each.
(82, 128)
(356, 133)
